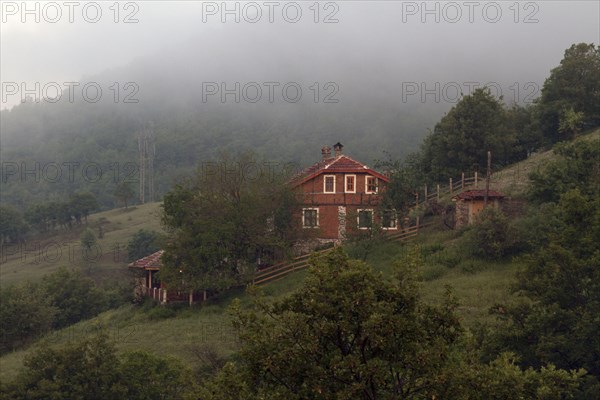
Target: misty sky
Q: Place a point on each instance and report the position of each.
(380, 44)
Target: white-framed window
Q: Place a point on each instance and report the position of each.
(329, 184)
(389, 219)
(310, 217)
(350, 184)
(364, 219)
(370, 184)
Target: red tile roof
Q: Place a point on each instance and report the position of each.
(339, 164)
(149, 262)
(478, 194)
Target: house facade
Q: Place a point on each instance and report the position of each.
(339, 194)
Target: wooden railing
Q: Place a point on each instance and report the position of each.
(157, 294)
(430, 193)
(281, 270)
(408, 233)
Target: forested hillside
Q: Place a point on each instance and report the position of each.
(67, 145)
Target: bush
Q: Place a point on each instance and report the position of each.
(75, 296)
(92, 370)
(25, 313)
(489, 236)
(64, 298)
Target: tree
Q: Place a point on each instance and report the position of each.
(570, 122)
(575, 167)
(489, 237)
(12, 225)
(462, 138)
(221, 224)
(406, 178)
(556, 315)
(143, 243)
(88, 241)
(25, 313)
(91, 369)
(523, 132)
(73, 295)
(350, 334)
(124, 192)
(573, 85)
(82, 204)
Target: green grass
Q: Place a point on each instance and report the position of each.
(45, 253)
(182, 330)
(176, 330)
(514, 179)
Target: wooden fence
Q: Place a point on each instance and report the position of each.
(281, 270)
(454, 185)
(278, 271)
(408, 233)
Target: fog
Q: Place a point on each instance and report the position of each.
(400, 65)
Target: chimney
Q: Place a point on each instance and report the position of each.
(326, 152)
(338, 149)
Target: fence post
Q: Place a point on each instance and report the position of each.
(475, 178)
(450, 185)
(462, 184)
(438, 192)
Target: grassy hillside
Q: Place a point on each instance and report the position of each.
(513, 180)
(44, 254)
(185, 332)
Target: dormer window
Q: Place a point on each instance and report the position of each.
(371, 184)
(329, 184)
(350, 184)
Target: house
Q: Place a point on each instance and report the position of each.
(149, 284)
(471, 202)
(338, 194)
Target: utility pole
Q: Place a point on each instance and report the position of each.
(487, 179)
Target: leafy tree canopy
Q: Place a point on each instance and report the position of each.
(350, 334)
(572, 87)
(223, 221)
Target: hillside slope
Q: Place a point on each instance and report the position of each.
(44, 253)
(187, 332)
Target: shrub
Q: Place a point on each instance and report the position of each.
(489, 236)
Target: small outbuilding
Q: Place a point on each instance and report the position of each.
(471, 202)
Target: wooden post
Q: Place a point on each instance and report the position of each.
(426, 198)
(204, 296)
(438, 192)
(462, 183)
(475, 178)
(450, 185)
